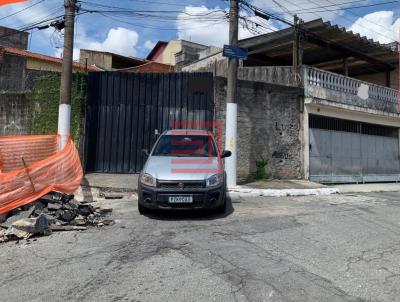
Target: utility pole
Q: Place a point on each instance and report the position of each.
(296, 43)
(64, 112)
(231, 104)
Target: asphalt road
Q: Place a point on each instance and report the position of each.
(327, 248)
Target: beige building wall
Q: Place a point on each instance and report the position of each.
(35, 64)
(100, 59)
(173, 47)
(42, 65)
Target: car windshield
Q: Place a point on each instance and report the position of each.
(185, 146)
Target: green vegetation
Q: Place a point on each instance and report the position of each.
(44, 101)
(261, 173)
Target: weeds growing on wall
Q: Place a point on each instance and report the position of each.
(44, 101)
(261, 172)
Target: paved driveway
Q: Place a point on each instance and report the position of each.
(329, 248)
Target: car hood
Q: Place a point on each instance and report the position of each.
(181, 168)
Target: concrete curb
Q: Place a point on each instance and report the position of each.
(110, 189)
(237, 191)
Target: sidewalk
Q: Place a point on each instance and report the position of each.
(111, 182)
(368, 188)
(273, 188)
(278, 188)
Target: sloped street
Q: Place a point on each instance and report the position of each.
(319, 248)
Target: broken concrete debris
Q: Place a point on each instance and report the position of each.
(52, 212)
(111, 195)
(25, 228)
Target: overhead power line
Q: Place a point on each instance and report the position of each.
(163, 28)
(22, 10)
(304, 30)
(344, 17)
(369, 21)
(125, 15)
(45, 23)
(319, 9)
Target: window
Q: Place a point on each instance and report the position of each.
(185, 146)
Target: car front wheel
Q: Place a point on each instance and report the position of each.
(222, 208)
(142, 209)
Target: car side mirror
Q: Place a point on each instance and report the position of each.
(156, 134)
(145, 152)
(226, 153)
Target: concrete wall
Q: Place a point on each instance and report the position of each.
(209, 51)
(268, 127)
(100, 59)
(41, 65)
(13, 114)
(32, 74)
(46, 66)
(189, 53)
(12, 73)
(13, 38)
(380, 78)
(208, 63)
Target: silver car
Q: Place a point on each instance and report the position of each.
(183, 171)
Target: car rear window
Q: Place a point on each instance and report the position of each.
(185, 146)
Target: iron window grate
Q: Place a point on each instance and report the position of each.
(330, 123)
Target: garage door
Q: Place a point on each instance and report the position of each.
(348, 151)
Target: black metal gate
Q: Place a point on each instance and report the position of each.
(124, 110)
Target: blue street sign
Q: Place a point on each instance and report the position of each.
(235, 52)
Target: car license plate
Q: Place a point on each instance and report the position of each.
(180, 199)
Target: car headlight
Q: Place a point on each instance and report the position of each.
(148, 180)
(214, 180)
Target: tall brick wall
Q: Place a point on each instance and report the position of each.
(13, 114)
(268, 127)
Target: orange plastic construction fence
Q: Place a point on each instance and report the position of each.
(32, 166)
(5, 2)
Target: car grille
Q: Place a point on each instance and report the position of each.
(180, 185)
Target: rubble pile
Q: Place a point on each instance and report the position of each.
(53, 212)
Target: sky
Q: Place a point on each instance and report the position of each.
(139, 24)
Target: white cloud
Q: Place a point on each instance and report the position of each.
(207, 26)
(119, 40)
(379, 26)
(13, 16)
(149, 44)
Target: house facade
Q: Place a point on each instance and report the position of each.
(18, 70)
(179, 52)
(317, 102)
(108, 61)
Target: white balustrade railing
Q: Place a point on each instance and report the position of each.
(329, 80)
